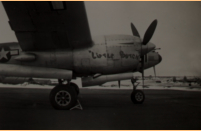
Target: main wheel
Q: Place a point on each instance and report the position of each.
(137, 97)
(63, 97)
(75, 87)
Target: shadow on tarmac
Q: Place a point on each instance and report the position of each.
(102, 109)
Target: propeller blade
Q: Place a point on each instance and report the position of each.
(119, 83)
(154, 71)
(149, 33)
(134, 30)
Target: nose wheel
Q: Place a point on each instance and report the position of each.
(137, 96)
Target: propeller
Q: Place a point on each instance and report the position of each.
(147, 37)
(148, 34)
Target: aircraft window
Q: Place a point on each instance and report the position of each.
(58, 5)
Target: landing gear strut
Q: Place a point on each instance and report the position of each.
(137, 96)
(64, 96)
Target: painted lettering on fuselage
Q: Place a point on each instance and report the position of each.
(123, 55)
(98, 55)
(126, 56)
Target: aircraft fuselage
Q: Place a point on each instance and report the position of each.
(108, 55)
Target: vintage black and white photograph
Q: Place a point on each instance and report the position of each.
(100, 65)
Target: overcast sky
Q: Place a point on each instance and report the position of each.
(178, 33)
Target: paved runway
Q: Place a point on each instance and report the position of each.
(22, 108)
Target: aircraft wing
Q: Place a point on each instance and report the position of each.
(47, 25)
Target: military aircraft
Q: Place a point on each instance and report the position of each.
(186, 80)
(54, 41)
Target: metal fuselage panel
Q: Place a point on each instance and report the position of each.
(105, 57)
(60, 59)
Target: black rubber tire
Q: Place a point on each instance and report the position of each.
(75, 87)
(63, 88)
(137, 97)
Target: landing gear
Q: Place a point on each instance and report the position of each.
(137, 96)
(61, 82)
(64, 97)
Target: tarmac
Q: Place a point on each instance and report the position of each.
(103, 109)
